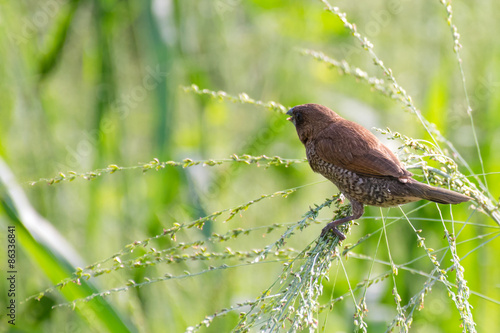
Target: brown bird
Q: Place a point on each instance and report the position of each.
(362, 168)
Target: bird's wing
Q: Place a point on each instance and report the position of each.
(358, 150)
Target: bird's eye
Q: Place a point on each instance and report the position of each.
(298, 118)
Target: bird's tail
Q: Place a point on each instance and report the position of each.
(437, 194)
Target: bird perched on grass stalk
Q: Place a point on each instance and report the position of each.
(362, 168)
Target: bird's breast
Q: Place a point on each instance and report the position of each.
(383, 192)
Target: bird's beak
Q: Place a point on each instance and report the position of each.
(290, 113)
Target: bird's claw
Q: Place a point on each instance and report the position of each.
(332, 227)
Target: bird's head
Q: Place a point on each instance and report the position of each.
(311, 119)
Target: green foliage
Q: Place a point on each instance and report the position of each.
(196, 246)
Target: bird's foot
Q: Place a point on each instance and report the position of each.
(332, 226)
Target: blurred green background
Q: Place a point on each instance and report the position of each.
(85, 84)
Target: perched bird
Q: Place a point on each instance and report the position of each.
(362, 168)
